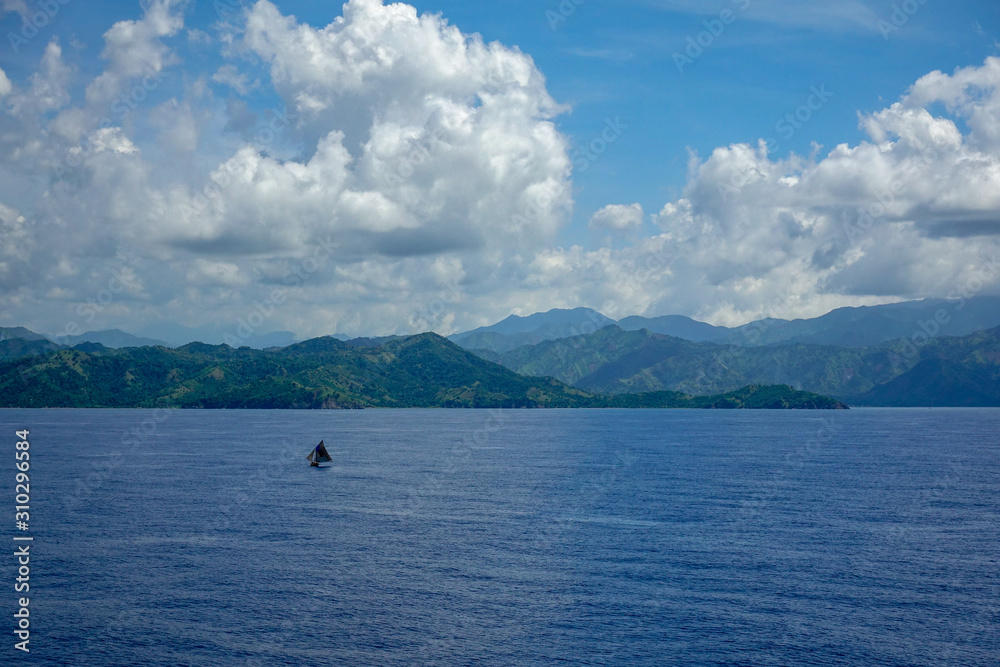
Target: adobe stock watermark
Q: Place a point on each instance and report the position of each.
(702, 41)
(589, 495)
(120, 280)
(262, 311)
(584, 156)
(575, 337)
(754, 331)
(120, 109)
(228, 507)
(131, 442)
(221, 179)
(751, 509)
(935, 492)
(34, 22)
(562, 12)
(224, 8)
(406, 165)
(900, 16)
(539, 201)
(868, 215)
(432, 483)
(431, 315)
(792, 122)
(650, 264)
(987, 272)
(786, 126)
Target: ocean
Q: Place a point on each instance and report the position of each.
(513, 537)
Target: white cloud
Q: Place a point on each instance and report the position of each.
(19, 6)
(178, 124)
(618, 218)
(413, 178)
(972, 94)
(135, 49)
(198, 36)
(228, 75)
(421, 139)
(418, 146)
(912, 212)
(111, 139)
(5, 84)
(49, 85)
(18, 244)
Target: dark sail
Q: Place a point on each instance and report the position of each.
(321, 455)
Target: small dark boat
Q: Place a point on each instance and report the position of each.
(319, 455)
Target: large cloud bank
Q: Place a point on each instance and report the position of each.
(402, 175)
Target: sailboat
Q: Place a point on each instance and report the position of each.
(319, 455)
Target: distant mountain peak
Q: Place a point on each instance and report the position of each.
(516, 330)
(113, 338)
(9, 333)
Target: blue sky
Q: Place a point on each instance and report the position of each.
(610, 59)
(615, 59)
(678, 118)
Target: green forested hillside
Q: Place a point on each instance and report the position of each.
(946, 371)
(417, 371)
(12, 348)
(615, 361)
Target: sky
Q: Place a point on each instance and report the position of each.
(369, 168)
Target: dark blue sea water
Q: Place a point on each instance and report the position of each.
(590, 537)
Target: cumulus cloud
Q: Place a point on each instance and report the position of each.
(618, 218)
(914, 211)
(411, 176)
(432, 139)
(427, 141)
(48, 88)
(401, 141)
(135, 49)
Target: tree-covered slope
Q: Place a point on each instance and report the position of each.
(939, 383)
(12, 348)
(615, 361)
(415, 371)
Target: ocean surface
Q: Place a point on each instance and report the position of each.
(520, 537)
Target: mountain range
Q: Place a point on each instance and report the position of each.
(111, 338)
(423, 370)
(19, 333)
(175, 335)
(853, 327)
(515, 331)
(935, 352)
(940, 371)
(862, 326)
